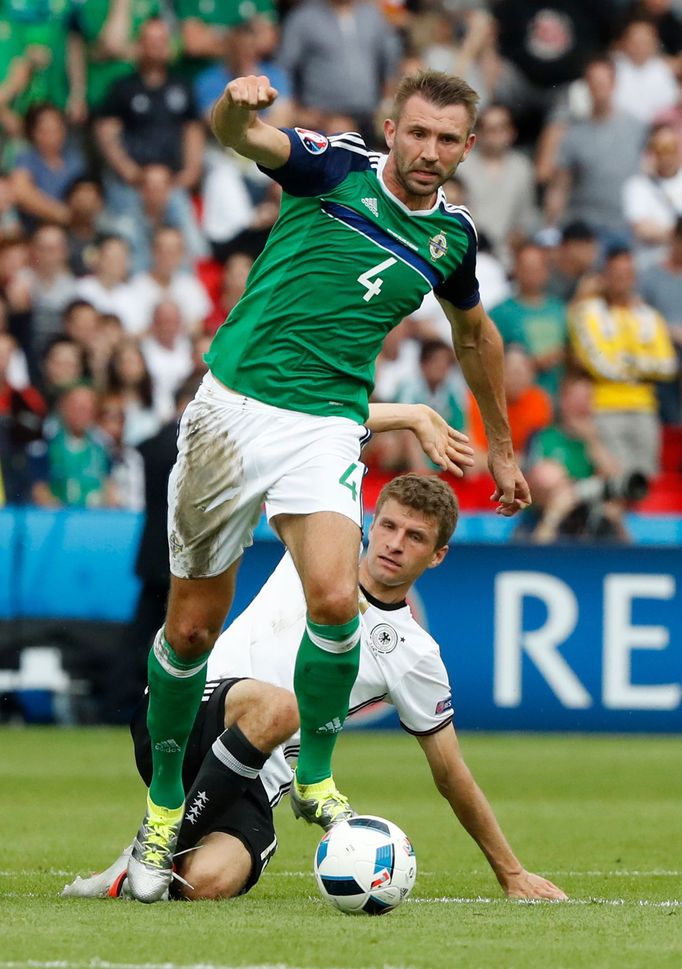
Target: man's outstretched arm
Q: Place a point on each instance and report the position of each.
(236, 124)
(457, 785)
(445, 446)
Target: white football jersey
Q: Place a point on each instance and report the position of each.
(399, 662)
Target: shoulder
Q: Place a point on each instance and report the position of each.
(462, 216)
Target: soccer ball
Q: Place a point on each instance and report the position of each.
(365, 864)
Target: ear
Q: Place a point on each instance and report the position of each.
(438, 556)
(471, 141)
(389, 131)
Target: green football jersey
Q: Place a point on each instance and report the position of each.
(345, 262)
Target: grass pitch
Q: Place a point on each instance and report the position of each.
(600, 816)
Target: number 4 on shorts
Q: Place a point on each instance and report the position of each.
(345, 481)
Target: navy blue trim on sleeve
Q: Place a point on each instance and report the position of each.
(461, 287)
(318, 164)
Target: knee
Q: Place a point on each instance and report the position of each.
(281, 719)
(191, 639)
(332, 606)
(211, 886)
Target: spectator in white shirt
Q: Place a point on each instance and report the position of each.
(645, 83)
(108, 289)
(652, 199)
(168, 281)
(168, 354)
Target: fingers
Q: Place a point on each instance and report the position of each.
(253, 92)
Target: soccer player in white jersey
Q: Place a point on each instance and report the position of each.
(249, 700)
(361, 238)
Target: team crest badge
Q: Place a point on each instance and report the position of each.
(312, 141)
(438, 246)
(384, 638)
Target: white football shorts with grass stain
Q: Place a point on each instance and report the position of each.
(236, 454)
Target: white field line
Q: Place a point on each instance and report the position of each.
(554, 873)
(103, 964)
(481, 900)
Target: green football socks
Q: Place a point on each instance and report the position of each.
(326, 667)
(175, 691)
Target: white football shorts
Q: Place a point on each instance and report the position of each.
(236, 453)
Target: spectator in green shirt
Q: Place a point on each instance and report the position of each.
(534, 319)
(46, 29)
(72, 468)
(110, 29)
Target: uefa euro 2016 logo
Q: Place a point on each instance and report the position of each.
(312, 141)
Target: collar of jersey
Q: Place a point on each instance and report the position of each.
(440, 195)
(386, 606)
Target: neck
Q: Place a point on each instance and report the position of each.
(384, 593)
(153, 74)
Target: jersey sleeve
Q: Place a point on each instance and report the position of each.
(423, 697)
(461, 287)
(318, 164)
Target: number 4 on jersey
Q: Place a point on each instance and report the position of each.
(373, 285)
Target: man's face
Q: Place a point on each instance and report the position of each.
(619, 277)
(427, 144)
(402, 545)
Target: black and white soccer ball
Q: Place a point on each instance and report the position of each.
(366, 864)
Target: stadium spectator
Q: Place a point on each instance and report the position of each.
(466, 47)
(205, 23)
(545, 46)
(49, 284)
(645, 83)
(167, 280)
(438, 382)
(86, 223)
(108, 287)
(15, 289)
(129, 377)
(63, 366)
(42, 174)
(156, 210)
(665, 16)
(241, 56)
(150, 118)
(661, 287)
(110, 32)
(234, 276)
(125, 485)
(587, 184)
(168, 354)
(573, 439)
(397, 360)
(652, 199)
(22, 410)
(533, 318)
(44, 30)
(573, 262)
(499, 183)
(72, 467)
(80, 323)
(624, 345)
(528, 405)
(342, 56)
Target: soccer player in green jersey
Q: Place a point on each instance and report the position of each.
(361, 238)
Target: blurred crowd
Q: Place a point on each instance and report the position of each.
(127, 234)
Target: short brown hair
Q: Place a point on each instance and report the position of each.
(437, 88)
(427, 494)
